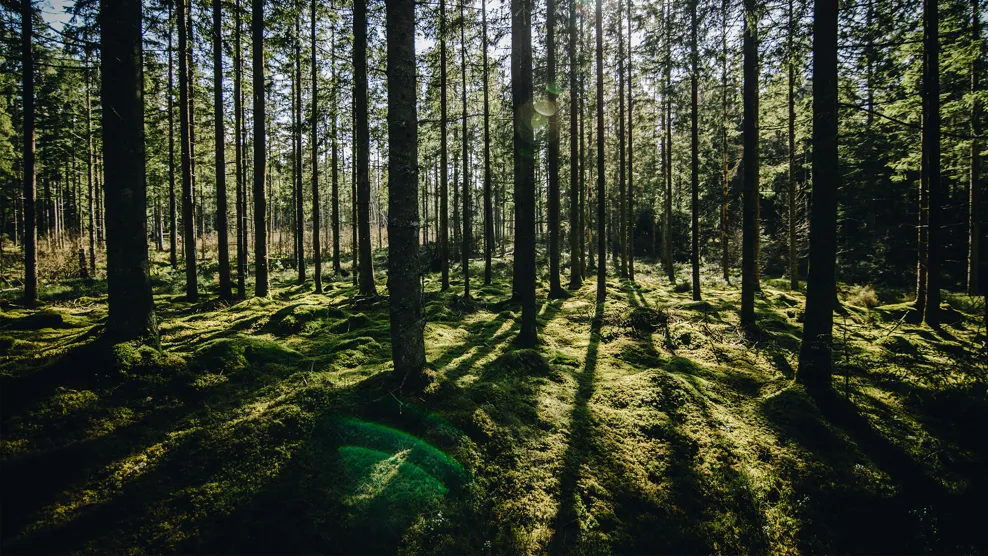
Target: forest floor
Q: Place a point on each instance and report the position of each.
(647, 424)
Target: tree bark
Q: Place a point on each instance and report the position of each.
(238, 122)
(407, 321)
(467, 225)
(931, 132)
(314, 140)
(261, 287)
(575, 236)
(334, 156)
(791, 177)
(524, 167)
(974, 206)
(621, 248)
(821, 283)
(749, 230)
(366, 277)
(695, 156)
(555, 288)
(488, 203)
(30, 213)
(91, 206)
(131, 305)
(601, 209)
(185, 114)
(297, 164)
(667, 167)
(222, 237)
(630, 220)
(443, 154)
(725, 176)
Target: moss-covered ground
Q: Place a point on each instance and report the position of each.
(647, 424)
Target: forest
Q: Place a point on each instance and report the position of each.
(493, 277)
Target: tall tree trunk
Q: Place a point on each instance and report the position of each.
(725, 169)
(299, 196)
(974, 206)
(30, 213)
(362, 135)
(630, 220)
(260, 151)
(172, 208)
(621, 248)
(524, 167)
(185, 114)
(334, 156)
(405, 304)
(575, 224)
(821, 282)
(131, 304)
(91, 206)
(555, 288)
(931, 132)
(667, 98)
(924, 217)
(695, 156)
(791, 102)
(314, 141)
(467, 226)
(222, 233)
(601, 209)
(488, 202)
(585, 233)
(443, 154)
(749, 230)
(238, 122)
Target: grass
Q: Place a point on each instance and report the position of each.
(648, 423)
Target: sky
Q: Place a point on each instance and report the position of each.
(55, 12)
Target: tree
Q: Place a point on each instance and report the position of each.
(601, 210)
(238, 123)
(334, 156)
(184, 118)
(30, 222)
(131, 304)
(443, 155)
(524, 166)
(931, 152)
(791, 175)
(405, 304)
(667, 151)
(172, 205)
(555, 289)
(362, 147)
(695, 155)
(622, 246)
(260, 151)
(821, 282)
(630, 218)
(314, 140)
(222, 234)
(488, 201)
(749, 230)
(974, 206)
(575, 237)
(467, 226)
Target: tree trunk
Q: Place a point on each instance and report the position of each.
(821, 282)
(630, 219)
(667, 98)
(299, 196)
(974, 206)
(467, 226)
(130, 301)
(334, 156)
(405, 304)
(575, 224)
(524, 168)
(238, 122)
(185, 114)
(725, 169)
(749, 230)
(314, 140)
(555, 288)
(30, 218)
(366, 278)
(443, 154)
(260, 151)
(931, 132)
(222, 237)
(91, 206)
(488, 204)
(621, 248)
(695, 157)
(791, 98)
(601, 209)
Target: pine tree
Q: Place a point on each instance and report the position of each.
(131, 304)
(222, 231)
(314, 140)
(601, 210)
(749, 239)
(575, 209)
(931, 152)
(30, 222)
(261, 286)
(362, 147)
(524, 167)
(185, 139)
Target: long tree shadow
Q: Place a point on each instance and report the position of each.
(565, 525)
